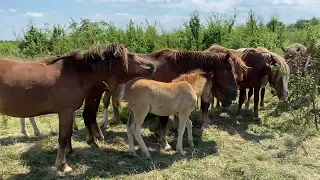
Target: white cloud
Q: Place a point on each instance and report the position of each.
(219, 6)
(12, 10)
(34, 14)
(122, 14)
(296, 2)
(128, 1)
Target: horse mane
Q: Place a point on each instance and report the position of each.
(236, 56)
(95, 54)
(183, 60)
(268, 57)
(192, 76)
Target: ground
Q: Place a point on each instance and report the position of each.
(228, 149)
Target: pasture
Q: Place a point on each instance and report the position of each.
(228, 149)
(285, 145)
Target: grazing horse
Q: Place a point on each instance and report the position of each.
(145, 96)
(297, 57)
(170, 64)
(259, 60)
(36, 130)
(60, 85)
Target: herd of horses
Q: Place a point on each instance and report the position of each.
(143, 82)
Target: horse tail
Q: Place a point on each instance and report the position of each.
(118, 100)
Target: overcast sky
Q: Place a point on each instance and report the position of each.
(169, 13)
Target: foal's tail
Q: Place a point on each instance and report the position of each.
(118, 100)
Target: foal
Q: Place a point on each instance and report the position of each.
(178, 97)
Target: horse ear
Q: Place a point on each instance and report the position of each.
(227, 56)
(283, 49)
(298, 49)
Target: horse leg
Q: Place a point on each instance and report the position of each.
(65, 133)
(74, 125)
(23, 127)
(135, 127)
(256, 103)
(35, 127)
(241, 101)
(250, 93)
(183, 118)
(89, 117)
(204, 113)
(106, 103)
(132, 151)
(262, 92)
(190, 137)
(163, 122)
(116, 114)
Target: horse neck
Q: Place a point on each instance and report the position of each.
(197, 85)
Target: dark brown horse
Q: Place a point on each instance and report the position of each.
(60, 85)
(297, 57)
(260, 59)
(170, 64)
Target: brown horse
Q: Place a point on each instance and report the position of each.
(60, 85)
(297, 57)
(145, 96)
(259, 60)
(170, 64)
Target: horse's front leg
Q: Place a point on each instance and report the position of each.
(241, 101)
(89, 116)
(65, 133)
(204, 113)
(106, 103)
(256, 103)
(23, 126)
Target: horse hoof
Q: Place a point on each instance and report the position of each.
(167, 147)
(191, 144)
(37, 134)
(239, 117)
(247, 106)
(182, 153)
(66, 168)
(133, 153)
(262, 108)
(148, 156)
(93, 145)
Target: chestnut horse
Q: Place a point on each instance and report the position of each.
(170, 64)
(145, 96)
(259, 60)
(60, 85)
(297, 57)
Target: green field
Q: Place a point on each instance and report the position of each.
(285, 146)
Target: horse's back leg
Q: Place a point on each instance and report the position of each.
(106, 103)
(132, 151)
(262, 93)
(241, 101)
(35, 127)
(256, 103)
(204, 113)
(74, 125)
(23, 126)
(116, 114)
(65, 132)
(183, 119)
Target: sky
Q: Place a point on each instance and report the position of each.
(170, 14)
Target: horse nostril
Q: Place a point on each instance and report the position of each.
(152, 67)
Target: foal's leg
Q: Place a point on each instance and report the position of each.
(190, 137)
(183, 118)
(248, 98)
(135, 128)
(256, 103)
(106, 103)
(23, 126)
(241, 100)
(163, 122)
(65, 132)
(132, 151)
(35, 127)
(204, 113)
(262, 92)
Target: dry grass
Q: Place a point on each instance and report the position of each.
(226, 150)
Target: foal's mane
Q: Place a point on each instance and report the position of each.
(192, 76)
(94, 54)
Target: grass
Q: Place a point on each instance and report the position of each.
(226, 150)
